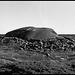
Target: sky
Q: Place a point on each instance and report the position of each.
(58, 15)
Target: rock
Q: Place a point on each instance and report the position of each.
(32, 33)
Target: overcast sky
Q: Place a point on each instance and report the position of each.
(58, 15)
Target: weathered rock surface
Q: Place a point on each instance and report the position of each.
(32, 33)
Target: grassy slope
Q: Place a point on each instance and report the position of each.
(19, 61)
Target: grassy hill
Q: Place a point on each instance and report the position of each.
(14, 59)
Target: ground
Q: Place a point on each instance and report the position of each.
(16, 60)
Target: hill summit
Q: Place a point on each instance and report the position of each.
(31, 32)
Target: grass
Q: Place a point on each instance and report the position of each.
(19, 61)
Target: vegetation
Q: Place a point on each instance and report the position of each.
(51, 56)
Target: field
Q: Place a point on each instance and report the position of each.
(68, 35)
(18, 58)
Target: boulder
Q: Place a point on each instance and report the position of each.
(31, 32)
